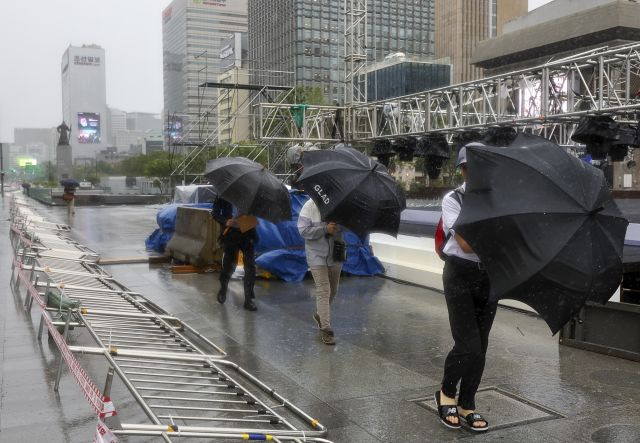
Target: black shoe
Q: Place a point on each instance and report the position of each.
(222, 296)
(326, 335)
(249, 305)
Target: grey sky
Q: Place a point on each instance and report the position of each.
(34, 34)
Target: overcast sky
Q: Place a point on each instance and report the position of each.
(35, 33)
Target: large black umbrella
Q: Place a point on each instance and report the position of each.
(250, 187)
(544, 225)
(353, 190)
(70, 183)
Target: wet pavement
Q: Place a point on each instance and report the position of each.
(371, 387)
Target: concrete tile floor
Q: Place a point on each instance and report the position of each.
(392, 341)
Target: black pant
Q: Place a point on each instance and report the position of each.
(471, 314)
(244, 243)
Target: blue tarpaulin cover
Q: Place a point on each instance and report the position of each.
(280, 247)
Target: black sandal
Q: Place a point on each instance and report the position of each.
(473, 417)
(445, 411)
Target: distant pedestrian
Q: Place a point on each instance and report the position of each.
(237, 234)
(69, 196)
(471, 314)
(325, 254)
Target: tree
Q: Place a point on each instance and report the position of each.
(159, 166)
(309, 95)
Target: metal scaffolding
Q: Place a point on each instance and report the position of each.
(184, 390)
(547, 99)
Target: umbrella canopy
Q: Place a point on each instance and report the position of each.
(544, 225)
(250, 187)
(353, 190)
(70, 183)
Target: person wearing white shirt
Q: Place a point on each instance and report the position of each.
(471, 314)
(319, 242)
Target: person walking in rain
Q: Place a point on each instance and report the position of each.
(320, 241)
(471, 314)
(237, 234)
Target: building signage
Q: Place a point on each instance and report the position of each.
(231, 52)
(227, 51)
(210, 2)
(86, 60)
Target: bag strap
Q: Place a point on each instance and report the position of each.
(457, 195)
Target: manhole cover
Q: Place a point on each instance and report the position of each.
(503, 409)
(616, 434)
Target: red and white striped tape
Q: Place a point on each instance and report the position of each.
(102, 405)
(104, 434)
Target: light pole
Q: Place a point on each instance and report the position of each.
(1, 171)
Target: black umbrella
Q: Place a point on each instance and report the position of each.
(250, 187)
(353, 190)
(544, 225)
(70, 183)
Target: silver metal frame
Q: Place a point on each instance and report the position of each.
(547, 99)
(184, 391)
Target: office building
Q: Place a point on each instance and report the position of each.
(400, 75)
(234, 102)
(153, 143)
(127, 130)
(192, 32)
(84, 98)
(461, 24)
(560, 29)
(37, 143)
(304, 37)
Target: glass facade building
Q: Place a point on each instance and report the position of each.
(406, 77)
(305, 37)
(192, 32)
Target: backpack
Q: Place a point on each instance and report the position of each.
(440, 238)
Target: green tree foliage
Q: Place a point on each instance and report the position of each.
(309, 95)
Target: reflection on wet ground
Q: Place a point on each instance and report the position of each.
(392, 341)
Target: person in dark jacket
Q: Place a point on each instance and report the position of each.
(235, 237)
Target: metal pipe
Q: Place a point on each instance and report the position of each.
(61, 358)
(146, 354)
(215, 435)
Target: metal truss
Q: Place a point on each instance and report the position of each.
(547, 99)
(245, 108)
(287, 122)
(355, 52)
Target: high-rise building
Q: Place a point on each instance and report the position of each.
(234, 103)
(192, 32)
(84, 98)
(461, 24)
(304, 37)
(37, 143)
(127, 130)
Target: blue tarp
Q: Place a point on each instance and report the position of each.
(280, 248)
(166, 219)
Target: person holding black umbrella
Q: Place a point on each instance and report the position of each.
(237, 234)
(255, 192)
(471, 314)
(325, 253)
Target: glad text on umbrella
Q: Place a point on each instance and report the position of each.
(323, 196)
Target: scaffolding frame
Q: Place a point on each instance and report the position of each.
(184, 391)
(548, 99)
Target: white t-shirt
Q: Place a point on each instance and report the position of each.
(450, 211)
